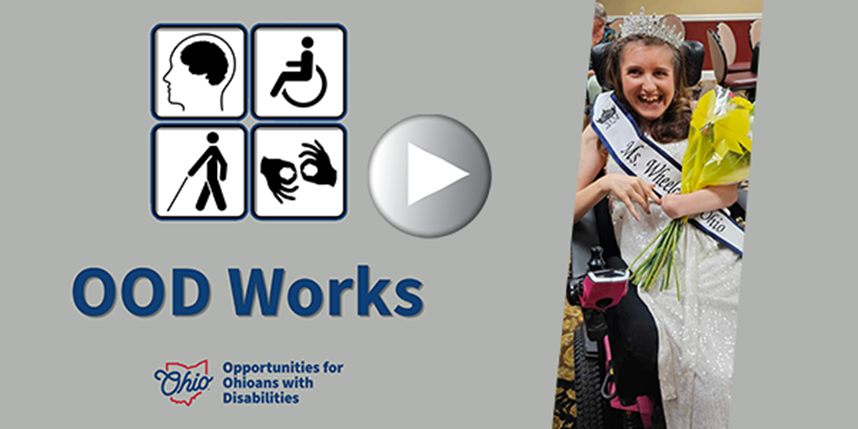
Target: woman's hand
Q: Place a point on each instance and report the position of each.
(630, 190)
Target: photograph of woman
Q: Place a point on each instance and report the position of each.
(671, 346)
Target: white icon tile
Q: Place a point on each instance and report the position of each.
(199, 72)
(299, 172)
(299, 71)
(199, 172)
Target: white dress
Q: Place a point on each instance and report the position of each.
(697, 334)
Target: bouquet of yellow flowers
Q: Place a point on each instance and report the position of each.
(718, 153)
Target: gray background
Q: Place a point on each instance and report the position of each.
(75, 175)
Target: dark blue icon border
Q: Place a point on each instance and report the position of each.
(152, 171)
(152, 64)
(253, 176)
(252, 64)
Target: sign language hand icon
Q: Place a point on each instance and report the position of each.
(272, 170)
(318, 158)
(289, 157)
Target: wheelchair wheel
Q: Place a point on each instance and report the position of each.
(632, 420)
(312, 102)
(589, 373)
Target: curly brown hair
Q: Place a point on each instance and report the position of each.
(673, 125)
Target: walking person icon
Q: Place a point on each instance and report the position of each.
(189, 172)
(303, 74)
(213, 159)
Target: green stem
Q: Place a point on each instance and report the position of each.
(648, 246)
(640, 272)
(666, 280)
(666, 251)
(676, 276)
(660, 255)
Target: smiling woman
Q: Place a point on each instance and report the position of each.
(647, 80)
(677, 351)
(650, 77)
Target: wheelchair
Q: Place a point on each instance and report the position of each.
(615, 350)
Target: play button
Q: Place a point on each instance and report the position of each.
(429, 175)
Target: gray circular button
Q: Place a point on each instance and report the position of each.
(429, 175)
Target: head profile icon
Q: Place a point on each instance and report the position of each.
(201, 68)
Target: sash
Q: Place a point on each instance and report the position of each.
(638, 156)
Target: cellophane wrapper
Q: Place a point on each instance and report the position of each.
(719, 145)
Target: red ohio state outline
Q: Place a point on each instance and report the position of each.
(189, 401)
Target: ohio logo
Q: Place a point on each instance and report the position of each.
(182, 383)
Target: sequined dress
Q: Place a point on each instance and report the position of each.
(697, 334)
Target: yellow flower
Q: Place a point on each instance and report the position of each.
(718, 144)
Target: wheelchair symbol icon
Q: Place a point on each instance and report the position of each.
(304, 74)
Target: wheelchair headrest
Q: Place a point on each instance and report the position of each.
(694, 53)
(692, 50)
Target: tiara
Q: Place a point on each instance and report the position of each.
(650, 26)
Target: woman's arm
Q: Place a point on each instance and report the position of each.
(591, 161)
(704, 200)
(629, 190)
